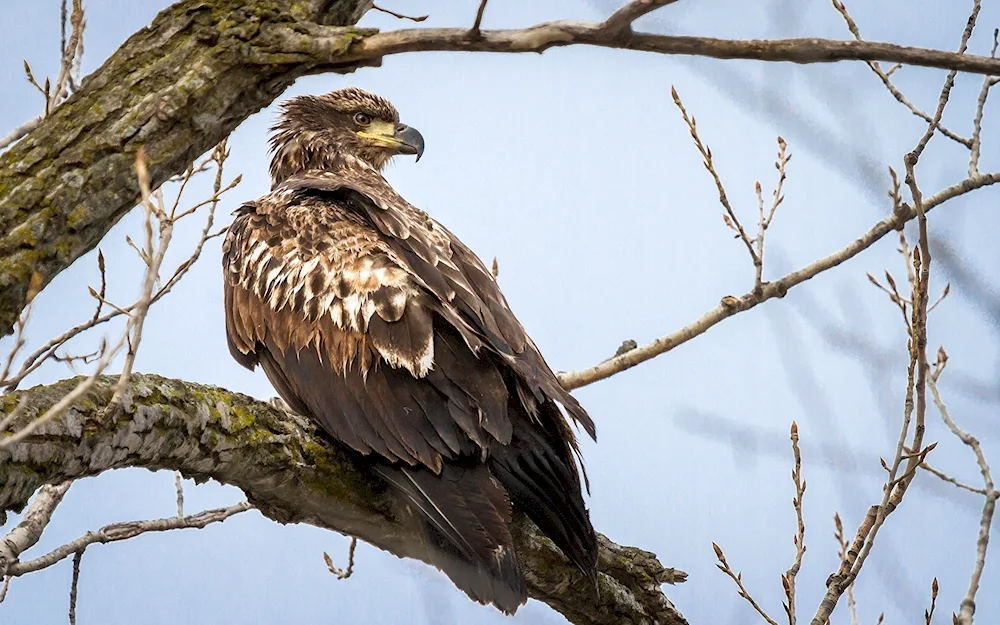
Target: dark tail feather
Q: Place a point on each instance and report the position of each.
(541, 476)
(467, 514)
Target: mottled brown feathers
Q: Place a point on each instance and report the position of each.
(378, 323)
(314, 131)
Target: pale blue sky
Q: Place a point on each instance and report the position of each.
(576, 171)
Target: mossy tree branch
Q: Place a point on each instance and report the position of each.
(292, 476)
(177, 87)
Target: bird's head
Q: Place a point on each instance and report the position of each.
(313, 130)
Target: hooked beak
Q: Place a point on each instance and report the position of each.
(409, 139)
(400, 138)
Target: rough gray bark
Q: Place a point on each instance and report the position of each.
(292, 476)
(178, 88)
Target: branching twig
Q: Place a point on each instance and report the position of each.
(116, 532)
(968, 606)
(621, 20)
(26, 534)
(977, 121)
(838, 534)
(731, 305)
(951, 480)
(74, 585)
(929, 614)
(914, 454)
(418, 18)
(107, 354)
(732, 221)
(764, 220)
(154, 257)
(738, 580)
(475, 31)
(153, 252)
(339, 572)
(49, 350)
(19, 341)
(799, 540)
(896, 93)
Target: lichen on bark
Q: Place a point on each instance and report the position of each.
(292, 475)
(177, 88)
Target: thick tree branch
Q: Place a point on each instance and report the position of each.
(291, 476)
(178, 88)
(320, 43)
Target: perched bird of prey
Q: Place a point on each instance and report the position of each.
(376, 322)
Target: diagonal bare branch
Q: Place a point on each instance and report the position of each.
(732, 305)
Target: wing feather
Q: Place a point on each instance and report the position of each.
(376, 321)
(449, 270)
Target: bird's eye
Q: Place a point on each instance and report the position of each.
(361, 119)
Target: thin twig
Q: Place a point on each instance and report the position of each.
(63, 17)
(977, 121)
(929, 614)
(67, 400)
(738, 580)
(951, 480)
(915, 402)
(179, 487)
(474, 31)
(948, 84)
(26, 534)
(838, 534)
(34, 285)
(418, 18)
(20, 131)
(968, 606)
(730, 218)
(117, 532)
(77, 559)
(104, 286)
(621, 20)
(764, 220)
(49, 349)
(799, 540)
(896, 93)
(73, 48)
(339, 572)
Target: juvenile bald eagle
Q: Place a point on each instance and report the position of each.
(379, 324)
